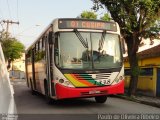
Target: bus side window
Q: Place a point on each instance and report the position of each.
(40, 44)
(28, 57)
(43, 47)
(36, 53)
(56, 52)
(36, 48)
(40, 52)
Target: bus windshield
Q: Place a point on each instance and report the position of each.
(89, 51)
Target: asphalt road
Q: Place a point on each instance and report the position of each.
(35, 105)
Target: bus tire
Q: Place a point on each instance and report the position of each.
(101, 99)
(48, 99)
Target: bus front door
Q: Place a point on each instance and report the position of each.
(50, 81)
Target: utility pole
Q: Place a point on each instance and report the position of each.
(7, 27)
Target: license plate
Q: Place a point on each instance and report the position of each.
(94, 92)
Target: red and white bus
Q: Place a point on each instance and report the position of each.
(76, 58)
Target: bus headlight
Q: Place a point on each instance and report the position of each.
(121, 78)
(61, 81)
(118, 79)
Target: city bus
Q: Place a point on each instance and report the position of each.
(76, 58)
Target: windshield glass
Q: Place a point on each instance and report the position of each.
(89, 51)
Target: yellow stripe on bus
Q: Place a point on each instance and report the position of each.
(74, 81)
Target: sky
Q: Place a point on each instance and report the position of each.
(35, 15)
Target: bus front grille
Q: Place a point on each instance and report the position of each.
(100, 76)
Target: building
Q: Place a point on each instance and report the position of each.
(149, 79)
(18, 68)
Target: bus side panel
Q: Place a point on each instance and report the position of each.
(29, 74)
(29, 69)
(40, 74)
(40, 67)
(37, 76)
(33, 82)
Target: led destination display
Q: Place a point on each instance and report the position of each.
(86, 24)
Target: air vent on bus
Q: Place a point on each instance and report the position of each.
(103, 76)
(100, 76)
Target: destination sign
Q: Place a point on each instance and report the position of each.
(86, 24)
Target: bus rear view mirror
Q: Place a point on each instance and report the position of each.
(123, 45)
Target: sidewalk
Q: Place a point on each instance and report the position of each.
(152, 101)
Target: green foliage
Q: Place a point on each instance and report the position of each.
(12, 49)
(2, 35)
(106, 17)
(133, 16)
(137, 19)
(88, 15)
(39, 55)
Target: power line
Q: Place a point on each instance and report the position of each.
(17, 10)
(1, 10)
(29, 36)
(7, 27)
(9, 11)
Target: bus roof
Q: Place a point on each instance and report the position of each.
(78, 23)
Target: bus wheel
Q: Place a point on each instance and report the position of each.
(47, 97)
(101, 99)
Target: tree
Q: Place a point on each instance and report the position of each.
(12, 49)
(105, 17)
(88, 15)
(137, 19)
(2, 35)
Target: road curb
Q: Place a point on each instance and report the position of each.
(139, 101)
(151, 104)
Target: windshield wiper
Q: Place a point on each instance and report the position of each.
(101, 41)
(82, 40)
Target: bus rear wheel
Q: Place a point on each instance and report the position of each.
(101, 99)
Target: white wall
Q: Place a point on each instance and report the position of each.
(7, 104)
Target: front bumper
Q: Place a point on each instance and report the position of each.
(63, 92)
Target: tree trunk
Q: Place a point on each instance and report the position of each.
(132, 44)
(134, 75)
(9, 64)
